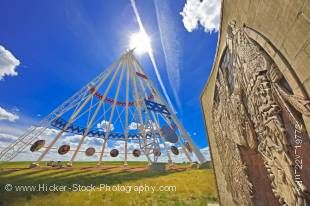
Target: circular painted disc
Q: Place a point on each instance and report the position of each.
(188, 147)
(37, 145)
(90, 151)
(64, 149)
(174, 150)
(114, 153)
(157, 152)
(136, 153)
(169, 134)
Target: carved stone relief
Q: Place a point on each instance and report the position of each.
(254, 106)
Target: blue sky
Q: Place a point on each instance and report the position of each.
(62, 45)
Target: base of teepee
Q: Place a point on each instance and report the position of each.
(205, 165)
(158, 167)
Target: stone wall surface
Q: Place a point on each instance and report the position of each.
(279, 32)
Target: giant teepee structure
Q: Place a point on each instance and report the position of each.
(120, 104)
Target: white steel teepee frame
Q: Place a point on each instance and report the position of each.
(129, 69)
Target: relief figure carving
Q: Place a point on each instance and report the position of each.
(251, 96)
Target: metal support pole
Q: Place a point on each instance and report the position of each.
(196, 151)
(112, 113)
(156, 122)
(138, 99)
(76, 113)
(94, 115)
(126, 117)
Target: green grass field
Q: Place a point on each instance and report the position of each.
(180, 186)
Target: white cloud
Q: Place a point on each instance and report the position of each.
(104, 125)
(8, 63)
(203, 12)
(51, 131)
(206, 152)
(5, 115)
(73, 139)
(149, 126)
(133, 126)
(6, 138)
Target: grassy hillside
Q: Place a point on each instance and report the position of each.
(181, 186)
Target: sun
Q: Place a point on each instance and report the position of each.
(140, 42)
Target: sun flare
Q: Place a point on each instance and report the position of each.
(140, 42)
